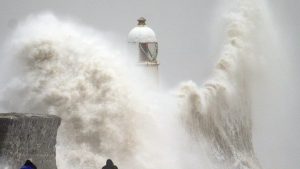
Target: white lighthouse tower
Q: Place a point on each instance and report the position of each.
(144, 46)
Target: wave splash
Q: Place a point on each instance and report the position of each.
(218, 114)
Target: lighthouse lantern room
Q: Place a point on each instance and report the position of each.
(143, 44)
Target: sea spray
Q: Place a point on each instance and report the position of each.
(218, 114)
(70, 71)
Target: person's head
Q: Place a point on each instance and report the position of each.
(29, 163)
(109, 162)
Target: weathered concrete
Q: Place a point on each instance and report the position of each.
(28, 136)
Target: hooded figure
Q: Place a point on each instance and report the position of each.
(109, 165)
(28, 165)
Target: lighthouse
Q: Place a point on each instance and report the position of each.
(143, 45)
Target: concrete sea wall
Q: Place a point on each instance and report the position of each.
(28, 136)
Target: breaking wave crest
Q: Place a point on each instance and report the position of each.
(218, 114)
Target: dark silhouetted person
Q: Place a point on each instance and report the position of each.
(109, 165)
(28, 165)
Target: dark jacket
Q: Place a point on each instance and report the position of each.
(26, 167)
(109, 165)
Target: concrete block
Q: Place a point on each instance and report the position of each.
(28, 136)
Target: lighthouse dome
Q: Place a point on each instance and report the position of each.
(141, 33)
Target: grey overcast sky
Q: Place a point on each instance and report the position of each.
(187, 35)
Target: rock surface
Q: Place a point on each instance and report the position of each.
(28, 136)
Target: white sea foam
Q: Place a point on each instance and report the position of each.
(218, 113)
